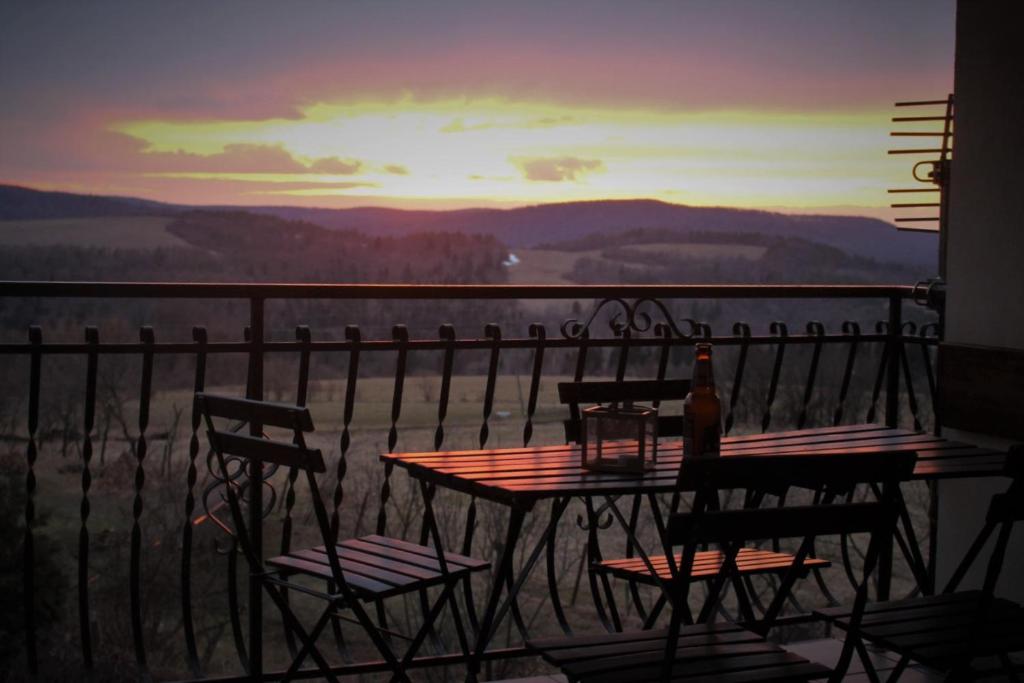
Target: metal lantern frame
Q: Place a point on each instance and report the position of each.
(619, 438)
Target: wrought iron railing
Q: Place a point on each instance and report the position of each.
(888, 361)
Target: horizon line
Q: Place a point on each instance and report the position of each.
(834, 210)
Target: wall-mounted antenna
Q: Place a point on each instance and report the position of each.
(931, 212)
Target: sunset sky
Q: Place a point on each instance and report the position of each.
(778, 104)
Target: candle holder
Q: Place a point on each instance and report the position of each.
(619, 438)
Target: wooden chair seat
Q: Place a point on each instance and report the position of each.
(707, 564)
(719, 652)
(939, 630)
(378, 566)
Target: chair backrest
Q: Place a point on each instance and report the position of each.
(834, 474)
(295, 454)
(654, 391)
(263, 413)
(979, 389)
(1004, 510)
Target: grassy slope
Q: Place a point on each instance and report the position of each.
(120, 232)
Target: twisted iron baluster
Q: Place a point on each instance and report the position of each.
(550, 551)
(35, 338)
(304, 338)
(354, 338)
(578, 372)
(537, 332)
(92, 339)
(493, 332)
(881, 327)
(634, 511)
(589, 523)
(909, 328)
(741, 330)
(623, 362)
(447, 335)
(234, 608)
(141, 446)
(816, 330)
(191, 651)
(928, 332)
(778, 329)
(665, 332)
(599, 583)
(400, 333)
(852, 330)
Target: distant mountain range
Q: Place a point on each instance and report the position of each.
(527, 226)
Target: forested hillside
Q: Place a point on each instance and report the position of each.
(244, 247)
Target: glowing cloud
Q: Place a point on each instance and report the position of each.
(557, 169)
(242, 157)
(532, 152)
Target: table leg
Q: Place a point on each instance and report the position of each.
(599, 582)
(912, 550)
(557, 508)
(885, 561)
(502, 573)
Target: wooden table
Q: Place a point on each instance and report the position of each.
(520, 477)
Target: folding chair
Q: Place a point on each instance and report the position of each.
(365, 569)
(955, 629)
(697, 649)
(707, 563)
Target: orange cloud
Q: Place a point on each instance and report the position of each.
(396, 169)
(335, 165)
(247, 158)
(557, 169)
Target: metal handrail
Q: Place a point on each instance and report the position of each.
(246, 290)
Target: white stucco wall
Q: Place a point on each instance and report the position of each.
(985, 242)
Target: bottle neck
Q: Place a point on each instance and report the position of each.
(703, 374)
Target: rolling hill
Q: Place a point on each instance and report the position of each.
(529, 226)
(23, 203)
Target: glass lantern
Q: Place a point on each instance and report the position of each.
(619, 438)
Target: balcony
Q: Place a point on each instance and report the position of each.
(127, 566)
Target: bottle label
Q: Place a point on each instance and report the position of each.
(688, 431)
(700, 439)
(711, 444)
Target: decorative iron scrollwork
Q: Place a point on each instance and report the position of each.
(633, 319)
(215, 497)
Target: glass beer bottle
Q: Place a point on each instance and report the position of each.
(702, 410)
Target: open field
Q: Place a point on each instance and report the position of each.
(120, 232)
(549, 266)
(686, 250)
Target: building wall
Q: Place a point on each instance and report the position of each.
(985, 242)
